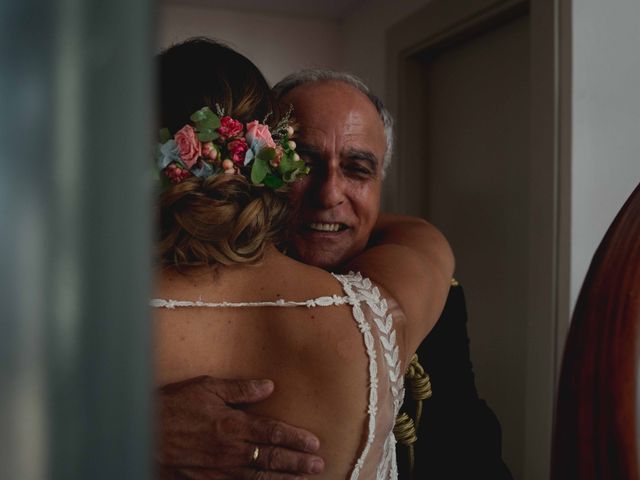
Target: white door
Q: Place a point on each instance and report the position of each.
(471, 83)
(476, 147)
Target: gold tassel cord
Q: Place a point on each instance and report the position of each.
(419, 385)
(406, 430)
(405, 433)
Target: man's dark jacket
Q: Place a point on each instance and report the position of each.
(459, 437)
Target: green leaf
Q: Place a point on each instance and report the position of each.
(207, 135)
(201, 115)
(259, 170)
(211, 122)
(267, 154)
(165, 135)
(286, 163)
(205, 119)
(297, 170)
(272, 181)
(289, 176)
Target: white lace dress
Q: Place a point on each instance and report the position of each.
(372, 313)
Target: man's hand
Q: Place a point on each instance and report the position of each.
(202, 437)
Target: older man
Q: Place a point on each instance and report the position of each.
(348, 145)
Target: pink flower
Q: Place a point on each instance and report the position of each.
(229, 128)
(237, 149)
(259, 136)
(209, 151)
(176, 174)
(189, 146)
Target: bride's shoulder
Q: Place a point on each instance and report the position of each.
(304, 279)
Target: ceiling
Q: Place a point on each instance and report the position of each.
(334, 9)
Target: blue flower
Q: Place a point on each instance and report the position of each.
(167, 153)
(249, 155)
(202, 169)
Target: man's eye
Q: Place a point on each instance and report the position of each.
(358, 170)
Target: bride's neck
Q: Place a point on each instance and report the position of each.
(270, 256)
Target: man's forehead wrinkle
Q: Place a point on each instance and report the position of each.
(367, 154)
(335, 120)
(312, 138)
(349, 133)
(349, 146)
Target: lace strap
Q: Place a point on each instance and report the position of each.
(325, 301)
(362, 290)
(348, 282)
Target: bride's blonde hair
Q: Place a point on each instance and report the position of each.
(222, 219)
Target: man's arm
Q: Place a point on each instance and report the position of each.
(413, 262)
(201, 436)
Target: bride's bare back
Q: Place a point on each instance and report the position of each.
(316, 356)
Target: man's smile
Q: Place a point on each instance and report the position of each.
(325, 227)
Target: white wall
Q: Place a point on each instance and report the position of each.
(364, 33)
(278, 44)
(606, 122)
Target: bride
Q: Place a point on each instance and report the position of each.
(229, 304)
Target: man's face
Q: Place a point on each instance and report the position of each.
(341, 137)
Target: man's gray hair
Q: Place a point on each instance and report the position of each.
(313, 75)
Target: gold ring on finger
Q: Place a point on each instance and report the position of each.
(255, 455)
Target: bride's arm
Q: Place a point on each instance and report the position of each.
(411, 260)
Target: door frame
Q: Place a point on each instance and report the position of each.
(442, 23)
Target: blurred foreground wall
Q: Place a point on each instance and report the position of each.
(75, 128)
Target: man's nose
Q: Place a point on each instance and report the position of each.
(330, 191)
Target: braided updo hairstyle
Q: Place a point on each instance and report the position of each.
(223, 219)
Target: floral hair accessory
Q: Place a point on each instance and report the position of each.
(216, 143)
